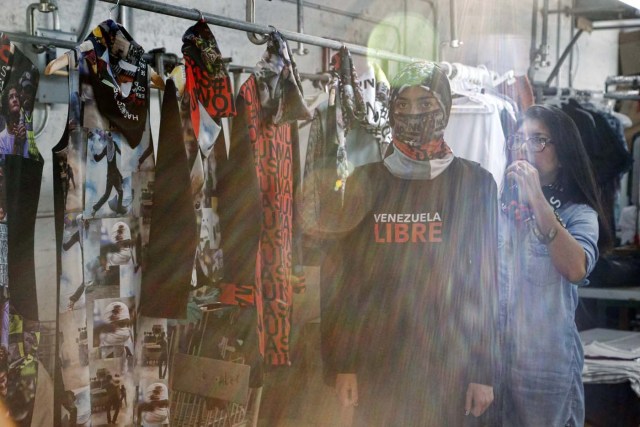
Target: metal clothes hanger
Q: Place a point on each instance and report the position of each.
(111, 9)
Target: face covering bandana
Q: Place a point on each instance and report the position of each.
(419, 137)
(206, 79)
(279, 85)
(116, 60)
(519, 212)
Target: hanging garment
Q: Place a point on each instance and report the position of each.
(173, 222)
(375, 91)
(349, 130)
(104, 183)
(606, 150)
(520, 91)
(635, 173)
(207, 82)
(476, 132)
(20, 178)
(207, 98)
(258, 188)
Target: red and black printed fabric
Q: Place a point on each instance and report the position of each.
(207, 81)
(173, 222)
(20, 178)
(104, 180)
(258, 188)
(206, 98)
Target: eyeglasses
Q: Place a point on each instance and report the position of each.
(534, 143)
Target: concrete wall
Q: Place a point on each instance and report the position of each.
(496, 33)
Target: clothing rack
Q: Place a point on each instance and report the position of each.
(193, 14)
(480, 75)
(322, 77)
(632, 84)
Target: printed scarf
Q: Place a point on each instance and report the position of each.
(207, 81)
(279, 86)
(115, 60)
(375, 90)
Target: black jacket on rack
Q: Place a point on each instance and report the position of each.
(606, 148)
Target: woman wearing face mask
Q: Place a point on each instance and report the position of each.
(414, 345)
(548, 243)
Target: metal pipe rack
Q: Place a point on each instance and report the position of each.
(193, 14)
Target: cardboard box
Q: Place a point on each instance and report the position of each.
(629, 52)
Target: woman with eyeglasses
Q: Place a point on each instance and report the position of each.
(550, 223)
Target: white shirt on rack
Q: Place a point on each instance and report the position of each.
(475, 132)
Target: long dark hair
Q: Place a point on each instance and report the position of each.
(576, 173)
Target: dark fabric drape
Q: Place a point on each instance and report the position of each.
(166, 281)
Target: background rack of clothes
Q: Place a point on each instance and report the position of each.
(602, 132)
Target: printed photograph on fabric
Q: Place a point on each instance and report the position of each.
(152, 403)
(111, 258)
(21, 368)
(4, 367)
(107, 379)
(3, 194)
(139, 158)
(142, 201)
(153, 339)
(74, 348)
(209, 254)
(4, 252)
(107, 192)
(71, 161)
(72, 285)
(16, 123)
(111, 334)
(75, 107)
(76, 408)
(91, 117)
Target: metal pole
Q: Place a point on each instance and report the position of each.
(125, 17)
(454, 32)
(616, 27)
(588, 10)
(533, 49)
(572, 32)
(568, 49)
(192, 14)
(301, 49)
(544, 37)
(40, 41)
(558, 24)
